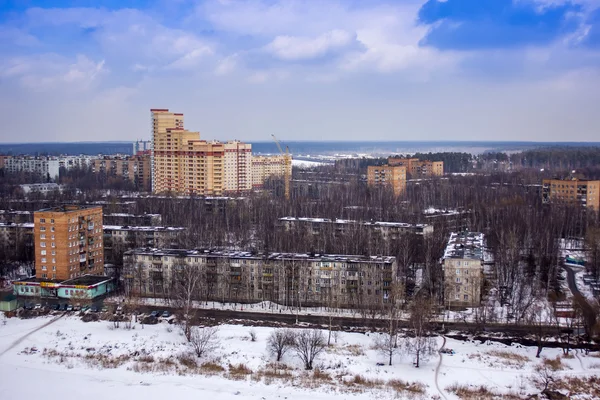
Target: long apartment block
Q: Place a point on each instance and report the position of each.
(286, 278)
(574, 191)
(387, 230)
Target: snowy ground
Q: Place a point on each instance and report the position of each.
(67, 357)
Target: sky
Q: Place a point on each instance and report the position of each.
(83, 70)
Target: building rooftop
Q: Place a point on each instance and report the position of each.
(86, 280)
(68, 208)
(349, 221)
(25, 225)
(467, 245)
(143, 228)
(257, 256)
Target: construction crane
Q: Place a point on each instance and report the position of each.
(287, 159)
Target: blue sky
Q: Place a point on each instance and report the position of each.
(303, 70)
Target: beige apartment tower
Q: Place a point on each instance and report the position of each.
(416, 168)
(184, 164)
(386, 175)
(574, 191)
(68, 242)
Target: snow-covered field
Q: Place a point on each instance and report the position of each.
(70, 358)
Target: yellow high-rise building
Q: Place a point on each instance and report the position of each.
(387, 175)
(182, 163)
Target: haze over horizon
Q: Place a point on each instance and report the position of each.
(465, 70)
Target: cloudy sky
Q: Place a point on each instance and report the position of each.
(303, 70)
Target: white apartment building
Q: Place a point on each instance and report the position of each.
(39, 165)
(264, 167)
(462, 265)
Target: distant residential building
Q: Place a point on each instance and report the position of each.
(81, 161)
(237, 167)
(16, 217)
(68, 242)
(42, 188)
(43, 166)
(386, 175)
(386, 230)
(291, 279)
(416, 168)
(264, 167)
(134, 168)
(132, 219)
(575, 191)
(128, 237)
(141, 146)
(462, 265)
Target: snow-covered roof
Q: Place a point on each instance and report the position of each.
(143, 228)
(467, 245)
(253, 255)
(349, 222)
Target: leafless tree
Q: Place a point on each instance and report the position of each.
(420, 341)
(544, 377)
(386, 343)
(186, 288)
(279, 342)
(540, 319)
(204, 340)
(308, 344)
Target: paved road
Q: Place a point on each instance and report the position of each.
(437, 369)
(587, 309)
(19, 340)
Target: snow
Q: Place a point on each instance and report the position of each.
(306, 163)
(73, 372)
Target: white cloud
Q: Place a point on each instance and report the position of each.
(226, 65)
(50, 71)
(300, 48)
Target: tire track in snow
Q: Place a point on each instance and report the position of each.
(437, 369)
(19, 340)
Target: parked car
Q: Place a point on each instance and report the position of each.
(56, 307)
(85, 308)
(69, 307)
(155, 314)
(76, 307)
(37, 307)
(94, 308)
(28, 306)
(104, 309)
(166, 314)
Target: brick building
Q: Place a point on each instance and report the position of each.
(574, 191)
(68, 242)
(416, 168)
(386, 175)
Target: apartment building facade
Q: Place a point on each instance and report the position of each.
(68, 242)
(286, 278)
(416, 168)
(118, 238)
(575, 191)
(237, 167)
(386, 230)
(264, 167)
(386, 175)
(43, 166)
(135, 168)
(462, 265)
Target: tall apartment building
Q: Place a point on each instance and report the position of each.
(286, 278)
(44, 166)
(237, 167)
(416, 168)
(264, 167)
(575, 191)
(182, 163)
(134, 168)
(462, 265)
(386, 175)
(68, 242)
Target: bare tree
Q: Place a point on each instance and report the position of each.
(204, 340)
(420, 342)
(544, 377)
(279, 342)
(186, 288)
(540, 318)
(387, 344)
(308, 344)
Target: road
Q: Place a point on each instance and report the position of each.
(586, 308)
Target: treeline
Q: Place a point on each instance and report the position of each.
(453, 161)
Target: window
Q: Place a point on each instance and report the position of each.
(42, 244)
(53, 252)
(458, 272)
(54, 268)
(53, 244)
(42, 229)
(42, 236)
(457, 280)
(42, 220)
(43, 259)
(44, 268)
(466, 297)
(54, 261)
(51, 229)
(51, 221)
(43, 252)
